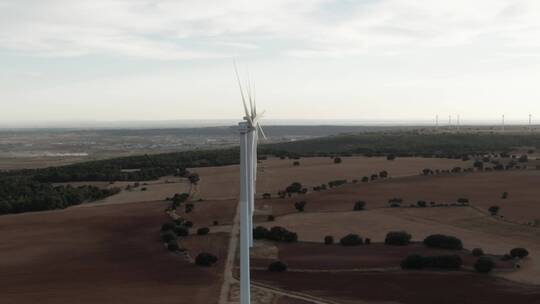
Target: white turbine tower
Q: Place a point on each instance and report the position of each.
(249, 134)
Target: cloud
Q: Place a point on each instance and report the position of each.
(177, 30)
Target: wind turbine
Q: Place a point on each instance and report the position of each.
(249, 130)
(502, 123)
(530, 122)
(437, 122)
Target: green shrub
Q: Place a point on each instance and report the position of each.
(181, 230)
(300, 206)
(443, 241)
(413, 261)
(351, 240)
(260, 232)
(203, 231)
(477, 252)
(329, 240)
(484, 264)
(359, 205)
(168, 236)
(277, 266)
(172, 246)
(167, 226)
(519, 253)
(205, 259)
(399, 238)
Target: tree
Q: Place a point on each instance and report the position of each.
(365, 179)
(277, 266)
(203, 231)
(189, 207)
(351, 240)
(295, 187)
(205, 259)
(493, 210)
(328, 240)
(399, 238)
(519, 252)
(421, 204)
(484, 264)
(337, 160)
(443, 241)
(194, 178)
(181, 230)
(477, 252)
(359, 205)
(300, 206)
(260, 232)
(172, 245)
(296, 163)
(390, 157)
(168, 236)
(413, 261)
(167, 226)
(383, 174)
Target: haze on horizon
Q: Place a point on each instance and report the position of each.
(64, 61)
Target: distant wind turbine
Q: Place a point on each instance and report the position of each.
(502, 123)
(530, 122)
(249, 134)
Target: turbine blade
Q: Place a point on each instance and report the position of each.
(242, 93)
(261, 131)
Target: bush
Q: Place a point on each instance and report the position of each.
(203, 231)
(300, 206)
(443, 241)
(168, 236)
(329, 240)
(351, 240)
(294, 188)
(413, 261)
(260, 232)
(453, 261)
(337, 160)
(399, 238)
(463, 200)
(281, 234)
(271, 218)
(506, 257)
(188, 224)
(484, 264)
(367, 241)
(391, 157)
(205, 259)
(519, 253)
(477, 252)
(277, 266)
(421, 204)
(493, 210)
(181, 230)
(172, 246)
(167, 226)
(504, 195)
(359, 205)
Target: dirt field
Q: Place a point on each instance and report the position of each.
(316, 256)
(404, 287)
(104, 254)
(275, 174)
(13, 163)
(483, 189)
(472, 227)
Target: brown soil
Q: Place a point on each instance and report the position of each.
(275, 174)
(105, 254)
(317, 256)
(482, 189)
(404, 287)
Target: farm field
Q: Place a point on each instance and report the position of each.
(103, 254)
(109, 251)
(275, 174)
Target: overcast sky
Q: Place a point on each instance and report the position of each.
(66, 60)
